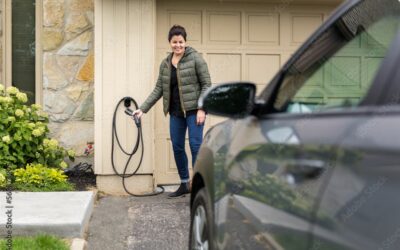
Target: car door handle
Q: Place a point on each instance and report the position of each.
(305, 168)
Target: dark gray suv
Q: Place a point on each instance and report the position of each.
(313, 162)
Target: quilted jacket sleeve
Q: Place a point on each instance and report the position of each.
(155, 95)
(202, 73)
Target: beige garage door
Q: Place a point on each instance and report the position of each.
(247, 42)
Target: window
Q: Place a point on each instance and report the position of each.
(23, 46)
(339, 67)
(21, 61)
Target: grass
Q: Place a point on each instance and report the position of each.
(40, 242)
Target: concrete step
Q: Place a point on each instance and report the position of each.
(65, 214)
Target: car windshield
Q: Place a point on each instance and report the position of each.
(338, 68)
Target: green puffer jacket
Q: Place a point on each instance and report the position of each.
(193, 80)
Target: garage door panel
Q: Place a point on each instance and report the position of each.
(381, 33)
(262, 28)
(165, 173)
(224, 67)
(317, 79)
(370, 67)
(356, 43)
(161, 120)
(224, 27)
(191, 20)
(303, 25)
(261, 68)
(260, 88)
(285, 57)
(344, 71)
(214, 120)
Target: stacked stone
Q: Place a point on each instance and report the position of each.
(68, 70)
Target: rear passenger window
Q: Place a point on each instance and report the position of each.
(353, 50)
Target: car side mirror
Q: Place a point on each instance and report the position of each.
(234, 100)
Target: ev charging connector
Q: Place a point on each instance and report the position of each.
(129, 112)
(139, 142)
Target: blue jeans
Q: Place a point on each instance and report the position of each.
(177, 129)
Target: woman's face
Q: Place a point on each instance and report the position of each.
(177, 44)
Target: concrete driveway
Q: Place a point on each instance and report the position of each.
(139, 223)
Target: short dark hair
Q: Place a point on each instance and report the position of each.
(176, 30)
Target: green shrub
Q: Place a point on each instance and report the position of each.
(23, 134)
(3, 180)
(36, 177)
(24, 143)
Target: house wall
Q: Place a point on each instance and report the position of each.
(125, 66)
(125, 55)
(130, 42)
(68, 71)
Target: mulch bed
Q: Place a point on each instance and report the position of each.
(83, 182)
(82, 176)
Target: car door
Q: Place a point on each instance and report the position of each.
(281, 159)
(272, 188)
(361, 199)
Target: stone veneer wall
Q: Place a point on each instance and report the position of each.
(68, 71)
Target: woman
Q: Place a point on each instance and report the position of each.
(182, 79)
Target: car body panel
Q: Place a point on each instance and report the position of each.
(361, 195)
(262, 168)
(275, 181)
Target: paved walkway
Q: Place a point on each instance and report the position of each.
(139, 223)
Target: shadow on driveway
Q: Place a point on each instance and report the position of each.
(139, 223)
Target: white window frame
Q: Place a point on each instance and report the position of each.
(6, 41)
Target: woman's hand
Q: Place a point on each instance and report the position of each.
(201, 117)
(138, 113)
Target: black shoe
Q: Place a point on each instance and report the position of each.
(182, 190)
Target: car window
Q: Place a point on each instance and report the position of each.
(339, 67)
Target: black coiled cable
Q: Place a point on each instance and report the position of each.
(139, 141)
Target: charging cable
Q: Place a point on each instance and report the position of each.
(139, 141)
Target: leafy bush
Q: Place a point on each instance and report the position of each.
(3, 180)
(23, 133)
(36, 177)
